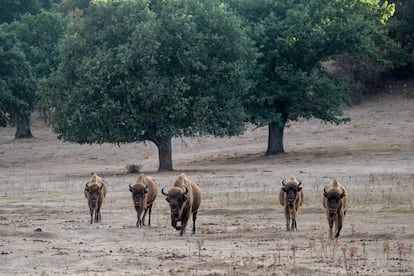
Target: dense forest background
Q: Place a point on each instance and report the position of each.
(151, 70)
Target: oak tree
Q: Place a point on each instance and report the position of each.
(294, 37)
(137, 71)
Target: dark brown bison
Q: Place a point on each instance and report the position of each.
(95, 192)
(184, 199)
(335, 202)
(291, 196)
(144, 192)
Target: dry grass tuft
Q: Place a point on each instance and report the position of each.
(133, 168)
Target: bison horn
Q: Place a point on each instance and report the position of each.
(186, 190)
(162, 191)
(300, 182)
(284, 182)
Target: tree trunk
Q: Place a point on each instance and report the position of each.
(275, 139)
(23, 131)
(164, 154)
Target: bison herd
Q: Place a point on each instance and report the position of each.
(184, 199)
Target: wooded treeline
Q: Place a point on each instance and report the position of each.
(151, 70)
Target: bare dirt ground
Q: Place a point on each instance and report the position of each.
(44, 218)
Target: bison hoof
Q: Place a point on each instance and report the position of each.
(178, 228)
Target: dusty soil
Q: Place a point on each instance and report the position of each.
(44, 219)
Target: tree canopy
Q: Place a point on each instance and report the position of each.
(136, 70)
(12, 10)
(151, 70)
(39, 45)
(402, 31)
(294, 38)
(38, 48)
(17, 98)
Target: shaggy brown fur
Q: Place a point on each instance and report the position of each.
(184, 199)
(144, 192)
(95, 192)
(335, 203)
(291, 196)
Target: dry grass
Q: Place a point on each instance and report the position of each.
(240, 225)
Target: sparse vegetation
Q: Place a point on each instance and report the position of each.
(133, 168)
(294, 248)
(386, 248)
(344, 249)
(241, 224)
(200, 244)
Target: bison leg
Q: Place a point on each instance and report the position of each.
(143, 217)
(138, 222)
(287, 215)
(194, 221)
(149, 215)
(294, 217)
(184, 220)
(293, 226)
(91, 211)
(139, 217)
(174, 223)
(338, 226)
(98, 215)
(331, 223)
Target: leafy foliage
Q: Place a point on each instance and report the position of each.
(140, 70)
(17, 97)
(405, 29)
(12, 9)
(29, 61)
(294, 38)
(40, 46)
(402, 31)
(367, 68)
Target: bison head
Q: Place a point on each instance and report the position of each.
(291, 189)
(176, 198)
(93, 193)
(139, 192)
(333, 200)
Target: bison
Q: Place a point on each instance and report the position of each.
(184, 199)
(95, 192)
(144, 192)
(335, 202)
(291, 196)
